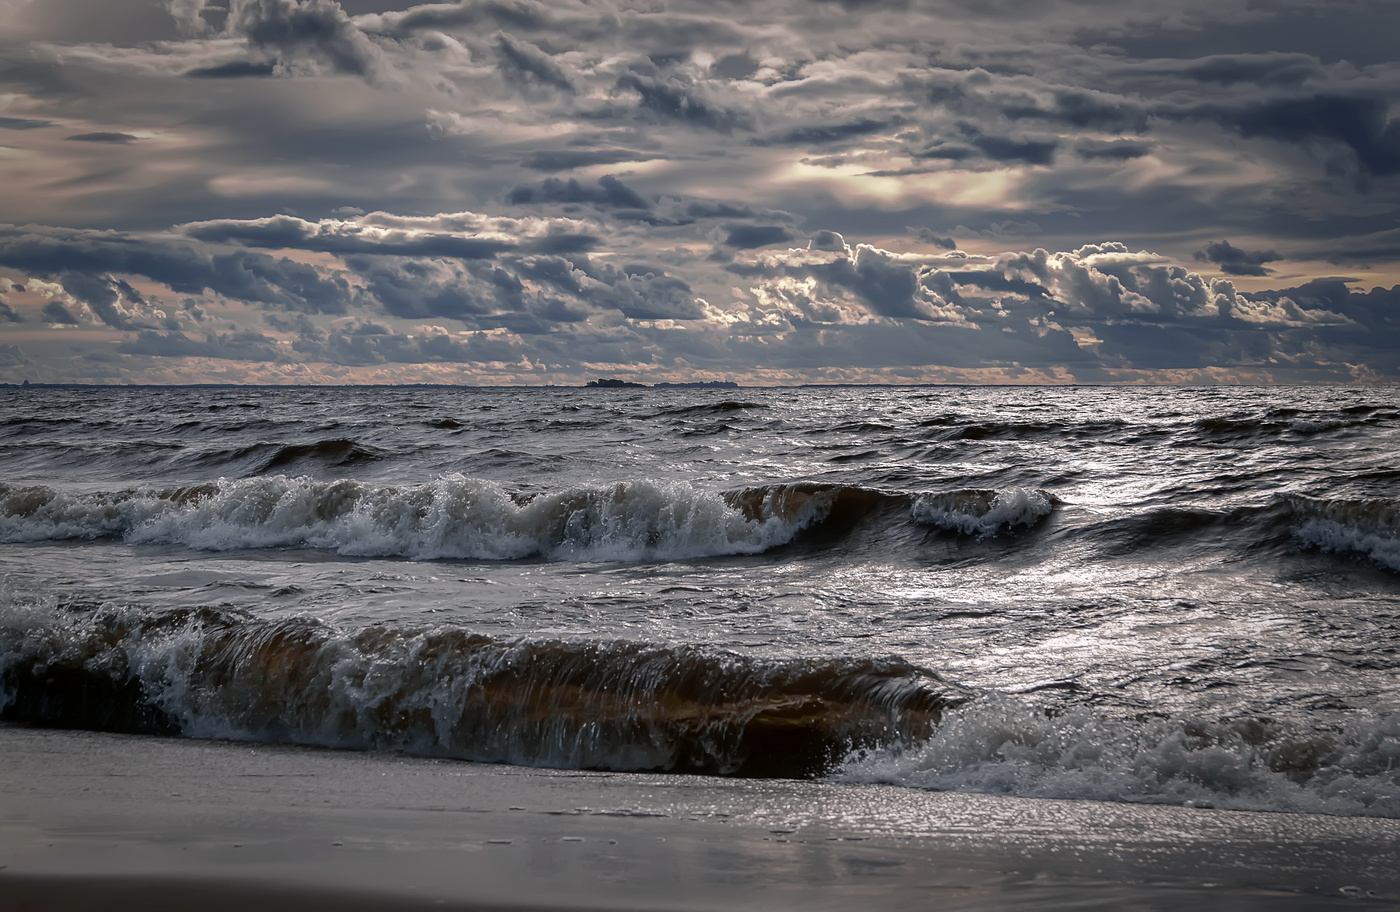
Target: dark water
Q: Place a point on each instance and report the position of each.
(1163, 595)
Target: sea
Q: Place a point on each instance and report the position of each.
(1179, 596)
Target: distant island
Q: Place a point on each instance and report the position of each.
(613, 383)
(698, 384)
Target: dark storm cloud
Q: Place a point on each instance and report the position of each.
(973, 143)
(55, 312)
(824, 134)
(524, 64)
(746, 237)
(22, 123)
(1230, 69)
(699, 209)
(1117, 150)
(734, 66)
(640, 292)
(1234, 261)
(609, 191)
(119, 138)
(299, 33)
(244, 345)
(1358, 122)
(1007, 149)
(1083, 109)
(885, 285)
(671, 95)
(104, 295)
(563, 243)
(419, 291)
(237, 69)
(260, 278)
(928, 236)
(8, 313)
(569, 159)
(185, 269)
(1361, 33)
(520, 15)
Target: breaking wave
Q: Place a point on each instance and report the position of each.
(456, 517)
(1011, 746)
(449, 517)
(983, 513)
(1367, 526)
(445, 691)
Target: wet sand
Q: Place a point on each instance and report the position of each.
(101, 821)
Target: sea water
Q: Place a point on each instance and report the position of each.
(1162, 595)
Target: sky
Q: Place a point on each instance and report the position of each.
(795, 191)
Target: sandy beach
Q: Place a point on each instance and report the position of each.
(103, 821)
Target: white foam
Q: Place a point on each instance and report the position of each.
(44, 514)
(983, 514)
(1009, 745)
(1340, 537)
(450, 517)
(1370, 527)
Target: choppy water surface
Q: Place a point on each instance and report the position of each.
(1184, 596)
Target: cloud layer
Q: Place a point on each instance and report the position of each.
(519, 192)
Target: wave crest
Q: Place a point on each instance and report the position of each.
(1364, 526)
(448, 692)
(449, 517)
(983, 513)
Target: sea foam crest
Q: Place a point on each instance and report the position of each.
(1009, 745)
(982, 513)
(450, 517)
(1369, 527)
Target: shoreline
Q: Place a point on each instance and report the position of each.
(109, 821)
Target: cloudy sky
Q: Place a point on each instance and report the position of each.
(510, 191)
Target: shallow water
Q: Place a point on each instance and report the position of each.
(1161, 595)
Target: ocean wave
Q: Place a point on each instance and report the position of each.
(1012, 746)
(958, 427)
(449, 517)
(983, 513)
(445, 691)
(712, 408)
(337, 452)
(1278, 421)
(1364, 526)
